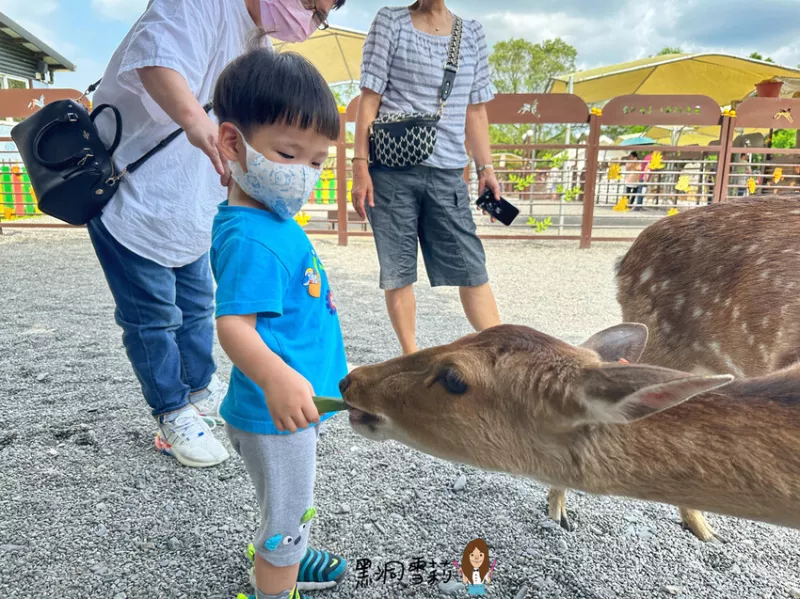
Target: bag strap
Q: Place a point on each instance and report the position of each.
(133, 166)
(451, 66)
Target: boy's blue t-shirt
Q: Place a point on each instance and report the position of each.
(267, 266)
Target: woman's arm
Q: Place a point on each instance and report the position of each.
(171, 92)
(288, 393)
(368, 107)
(478, 143)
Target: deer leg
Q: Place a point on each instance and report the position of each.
(557, 507)
(696, 522)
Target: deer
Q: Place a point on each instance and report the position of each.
(513, 399)
(717, 289)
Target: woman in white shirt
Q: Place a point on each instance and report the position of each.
(153, 237)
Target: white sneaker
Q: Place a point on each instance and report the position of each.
(186, 437)
(207, 402)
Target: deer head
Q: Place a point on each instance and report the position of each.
(483, 398)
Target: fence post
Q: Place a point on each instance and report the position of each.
(724, 159)
(592, 163)
(341, 180)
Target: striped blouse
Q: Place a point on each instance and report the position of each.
(405, 66)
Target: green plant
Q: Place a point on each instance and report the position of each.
(569, 194)
(521, 183)
(540, 225)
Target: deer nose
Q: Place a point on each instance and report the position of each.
(344, 384)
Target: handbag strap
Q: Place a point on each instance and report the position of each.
(133, 166)
(451, 66)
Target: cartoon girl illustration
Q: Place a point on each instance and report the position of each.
(475, 570)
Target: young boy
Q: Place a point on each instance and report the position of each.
(276, 317)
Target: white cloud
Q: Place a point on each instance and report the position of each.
(18, 9)
(120, 10)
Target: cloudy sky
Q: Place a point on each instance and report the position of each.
(87, 31)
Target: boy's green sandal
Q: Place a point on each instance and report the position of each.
(293, 594)
(318, 569)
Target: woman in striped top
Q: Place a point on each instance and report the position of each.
(429, 204)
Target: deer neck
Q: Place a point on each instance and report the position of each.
(714, 453)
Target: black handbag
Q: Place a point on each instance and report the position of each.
(70, 168)
(405, 139)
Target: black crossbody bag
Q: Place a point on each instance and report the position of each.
(71, 170)
(406, 139)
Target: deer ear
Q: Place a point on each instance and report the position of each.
(624, 341)
(617, 394)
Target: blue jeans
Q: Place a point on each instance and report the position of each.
(167, 320)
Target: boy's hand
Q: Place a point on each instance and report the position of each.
(289, 399)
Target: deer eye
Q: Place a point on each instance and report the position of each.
(453, 382)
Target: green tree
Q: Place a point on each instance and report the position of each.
(521, 67)
(757, 56)
(670, 50)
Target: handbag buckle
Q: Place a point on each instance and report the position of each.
(112, 181)
(72, 117)
(85, 158)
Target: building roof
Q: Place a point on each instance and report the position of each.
(54, 60)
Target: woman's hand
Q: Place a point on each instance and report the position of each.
(203, 134)
(465, 579)
(488, 179)
(362, 188)
(290, 400)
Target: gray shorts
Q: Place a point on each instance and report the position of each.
(429, 206)
(282, 468)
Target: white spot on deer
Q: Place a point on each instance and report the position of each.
(795, 212)
(719, 269)
(715, 347)
(703, 288)
(697, 312)
(736, 248)
(761, 260)
(752, 248)
(665, 327)
(765, 322)
(664, 284)
(697, 347)
(735, 310)
(646, 274)
(764, 274)
(790, 285)
(732, 365)
(717, 299)
(679, 300)
(764, 352)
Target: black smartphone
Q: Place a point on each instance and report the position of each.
(500, 209)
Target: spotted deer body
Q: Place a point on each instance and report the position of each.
(719, 290)
(515, 400)
(718, 287)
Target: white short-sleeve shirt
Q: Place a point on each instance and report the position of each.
(164, 211)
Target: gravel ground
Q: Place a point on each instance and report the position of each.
(88, 509)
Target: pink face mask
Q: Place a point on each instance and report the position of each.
(287, 20)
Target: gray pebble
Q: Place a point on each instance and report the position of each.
(794, 593)
(673, 590)
(173, 544)
(101, 531)
(522, 593)
(343, 508)
(562, 545)
(42, 376)
(547, 524)
(451, 588)
(460, 483)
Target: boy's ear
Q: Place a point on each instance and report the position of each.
(229, 141)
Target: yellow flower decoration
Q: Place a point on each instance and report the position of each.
(342, 109)
(672, 212)
(597, 111)
(656, 162)
(682, 184)
(751, 185)
(614, 173)
(777, 175)
(302, 218)
(730, 113)
(621, 205)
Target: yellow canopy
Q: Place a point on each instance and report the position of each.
(720, 76)
(336, 52)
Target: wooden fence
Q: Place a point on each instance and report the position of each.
(586, 190)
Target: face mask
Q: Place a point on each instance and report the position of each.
(287, 20)
(283, 188)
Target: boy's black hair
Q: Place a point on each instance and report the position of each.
(338, 4)
(264, 87)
